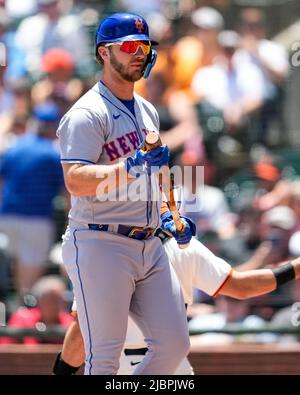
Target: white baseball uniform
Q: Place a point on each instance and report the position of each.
(196, 267)
(111, 273)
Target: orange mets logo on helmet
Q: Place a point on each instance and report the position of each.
(139, 24)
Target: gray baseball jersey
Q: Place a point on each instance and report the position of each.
(99, 129)
(113, 274)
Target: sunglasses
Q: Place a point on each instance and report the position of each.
(131, 47)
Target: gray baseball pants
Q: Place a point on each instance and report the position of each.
(114, 276)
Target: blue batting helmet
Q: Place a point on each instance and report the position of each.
(123, 26)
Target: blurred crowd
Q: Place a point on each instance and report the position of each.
(220, 89)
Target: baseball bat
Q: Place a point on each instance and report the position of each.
(153, 141)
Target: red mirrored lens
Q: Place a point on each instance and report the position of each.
(132, 47)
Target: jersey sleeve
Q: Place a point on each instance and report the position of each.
(81, 137)
(210, 271)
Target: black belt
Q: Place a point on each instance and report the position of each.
(134, 232)
(135, 351)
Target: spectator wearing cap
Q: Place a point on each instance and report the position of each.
(53, 29)
(50, 309)
(58, 84)
(233, 88)
(31, 174)
(272, 60)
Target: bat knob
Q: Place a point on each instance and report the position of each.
(152, 138)
(152, 141)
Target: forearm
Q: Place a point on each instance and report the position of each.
(251, 283)
(255, 283)
(88, 180)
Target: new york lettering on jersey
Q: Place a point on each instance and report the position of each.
(121, 146)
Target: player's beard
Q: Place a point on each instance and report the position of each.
(125, 73)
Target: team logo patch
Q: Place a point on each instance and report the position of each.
(139, 24)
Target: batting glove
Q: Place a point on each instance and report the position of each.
(183, 237)
(152, 160)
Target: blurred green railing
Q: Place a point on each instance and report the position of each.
(58, 332)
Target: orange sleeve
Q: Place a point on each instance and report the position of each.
(223, 283)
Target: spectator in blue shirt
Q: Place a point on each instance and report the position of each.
(32, 178)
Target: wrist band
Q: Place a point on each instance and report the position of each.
(284, 273)
(61, 368)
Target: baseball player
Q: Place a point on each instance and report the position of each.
(114, 261)
(195, 266)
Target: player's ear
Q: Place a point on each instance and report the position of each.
(103, 52)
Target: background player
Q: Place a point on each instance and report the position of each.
(198, 267)
(112, 259)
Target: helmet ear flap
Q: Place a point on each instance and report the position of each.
(150, 62)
